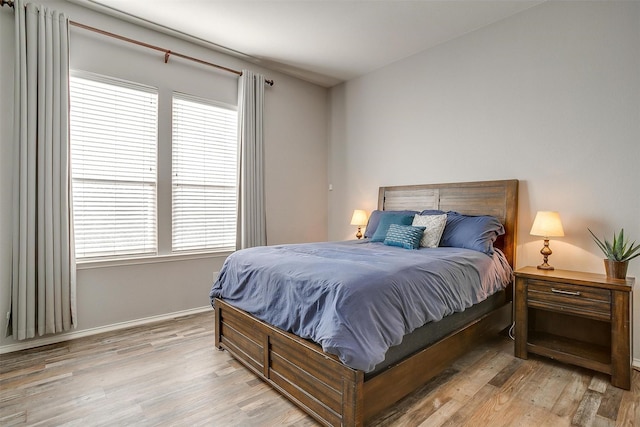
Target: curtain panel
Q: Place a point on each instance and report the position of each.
(251, 230)
(43, 292)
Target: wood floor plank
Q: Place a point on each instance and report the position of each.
(629, 411)
(549, 388)
(442, 414)
(572, 393)
(600, 421)
(506, 373)
(610, 403)
(599, 383)
(466, 386)
(587, 409)
(169, 373)
(470, 406)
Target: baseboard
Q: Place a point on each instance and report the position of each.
(37, 342)
(636, 364)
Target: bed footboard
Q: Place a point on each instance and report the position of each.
(317, 382)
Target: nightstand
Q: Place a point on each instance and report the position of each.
(579, 318)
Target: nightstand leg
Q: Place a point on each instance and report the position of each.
(521, 314)
(621, 340)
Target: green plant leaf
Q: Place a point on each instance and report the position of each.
(599, 243)
(618, 244)
(619, 249)
(631, 253)
(610, 252)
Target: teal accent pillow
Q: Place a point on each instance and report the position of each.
(374, 220)
(405, 236)
(386, 221)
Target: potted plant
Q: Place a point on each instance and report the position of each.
(618, 254)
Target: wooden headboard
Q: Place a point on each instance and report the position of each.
(496, 198)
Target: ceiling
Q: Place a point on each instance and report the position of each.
(321, 41)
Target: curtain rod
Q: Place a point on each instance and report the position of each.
(167, 52)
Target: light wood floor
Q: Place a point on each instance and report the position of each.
(169, 373)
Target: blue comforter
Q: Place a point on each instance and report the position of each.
(357, 298)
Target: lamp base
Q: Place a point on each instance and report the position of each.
(545, 266)
(359, 234)
(545, 251)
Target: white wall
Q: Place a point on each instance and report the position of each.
(295, 167)
(550, 96)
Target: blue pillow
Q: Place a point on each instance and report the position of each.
(432, 212)
(374, 220)
(386, 220)
(471, 232)
(405, 236)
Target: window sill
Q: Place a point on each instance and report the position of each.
(151, 259)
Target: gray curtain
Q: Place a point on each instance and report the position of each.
(43, 292)
(252, 229)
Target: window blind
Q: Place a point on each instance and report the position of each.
(204, 167)
(113, 130)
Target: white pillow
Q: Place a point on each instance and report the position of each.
(434, 227)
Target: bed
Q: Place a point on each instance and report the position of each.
(333, 392)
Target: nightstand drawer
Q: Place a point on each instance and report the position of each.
(564, 297)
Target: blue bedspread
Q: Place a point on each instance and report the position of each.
(357, 298)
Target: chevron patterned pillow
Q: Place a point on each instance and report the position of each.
(404, 236)
(434, 226)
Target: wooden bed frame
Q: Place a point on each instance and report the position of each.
(335, 394)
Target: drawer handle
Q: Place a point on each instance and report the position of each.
(560, 291)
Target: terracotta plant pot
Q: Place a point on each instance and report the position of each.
(616, 269)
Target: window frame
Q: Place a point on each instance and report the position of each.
(164, 248)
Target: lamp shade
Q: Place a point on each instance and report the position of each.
(359, 217)
(547, 224)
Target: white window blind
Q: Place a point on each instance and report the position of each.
(113, 130)
(204, 162)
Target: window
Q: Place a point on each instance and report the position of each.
(118, 177)
(113, 131)
(204, 165)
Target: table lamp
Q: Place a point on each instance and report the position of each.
(359, 218)
(546, 224)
